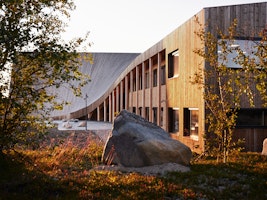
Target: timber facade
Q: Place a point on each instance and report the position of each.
(156, 84)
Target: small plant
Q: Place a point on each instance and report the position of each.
(116, 113)
(110, 157)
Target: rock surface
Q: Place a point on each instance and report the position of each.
(155, 170)
(82, 124)
(264, 147)
(135, 142)
(67, 125)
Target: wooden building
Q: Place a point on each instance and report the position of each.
(156, 84)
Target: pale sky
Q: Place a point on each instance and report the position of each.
(133, 25)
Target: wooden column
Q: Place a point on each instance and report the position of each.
(110, 108)
(121, 95)
(137, 88)
(113, 105)
(150, 90)
(131, 92)
(126, 82)
(117, 98)
(143, 91)
(98, 113)
(159, 89)
(105, 110)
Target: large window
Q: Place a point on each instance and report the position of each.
(134, 82)
(173, 63)
(161, 116)
(140, 80)
(163, 75)
(147, 113)
(155, 113)
(140, 111)
(191, 122)
(155, 78)
(248, 47)
(173, 115)
(251, 117)
(147, 80)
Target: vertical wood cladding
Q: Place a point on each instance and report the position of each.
(178, 93)
(251, 18)
(181, 93)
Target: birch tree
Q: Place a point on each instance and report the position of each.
(33, 58)
(228, 78)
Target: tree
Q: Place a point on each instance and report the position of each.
(35, 59)
(225, 86)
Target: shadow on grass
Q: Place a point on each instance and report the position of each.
(18, 182)
(243, 177)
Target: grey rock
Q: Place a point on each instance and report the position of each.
(82, 124)
(135, 142)
(67, 125)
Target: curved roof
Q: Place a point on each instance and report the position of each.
(104, 70)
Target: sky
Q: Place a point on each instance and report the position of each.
(132, 26)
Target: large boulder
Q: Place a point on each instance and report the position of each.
(264, 147)
(135, 142)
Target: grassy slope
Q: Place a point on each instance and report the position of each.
(61, 169)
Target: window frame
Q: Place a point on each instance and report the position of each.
(172, 71)
(163, 75)
(191, 130)
(246, 123)
(239, 43)
(155, 77)
(173, 115)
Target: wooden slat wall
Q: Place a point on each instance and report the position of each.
(180, 93)
(253, 138)
(251, 18)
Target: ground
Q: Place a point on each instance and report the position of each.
(79, 137)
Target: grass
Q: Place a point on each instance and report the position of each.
(61, 168)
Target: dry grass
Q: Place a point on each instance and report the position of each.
(61, 168)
